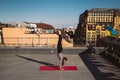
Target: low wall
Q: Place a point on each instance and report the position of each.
(18, 37)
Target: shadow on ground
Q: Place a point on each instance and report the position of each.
(93, 64)
(33, 60)
(110, 59)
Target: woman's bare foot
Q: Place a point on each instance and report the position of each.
(63, 62)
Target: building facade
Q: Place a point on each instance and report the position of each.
(117, 20)
(92, 24)
(37, 27)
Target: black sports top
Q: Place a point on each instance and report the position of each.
(59, 45)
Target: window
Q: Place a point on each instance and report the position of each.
(92, 19)
(93, 36)
(93, 33)
(103, 27)
(97, 19)
(89, 32)
(89, 27)
(93, 27)
(89, 19)
(89, 36)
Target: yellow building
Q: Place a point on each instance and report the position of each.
(92, 23)
(117, 20)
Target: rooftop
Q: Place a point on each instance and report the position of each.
(44, 26)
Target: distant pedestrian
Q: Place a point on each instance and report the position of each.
(91, 48)
(59, 51)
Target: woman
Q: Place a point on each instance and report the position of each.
(59, 51)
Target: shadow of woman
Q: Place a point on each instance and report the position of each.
(33, 60)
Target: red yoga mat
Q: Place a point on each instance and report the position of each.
(50, 68)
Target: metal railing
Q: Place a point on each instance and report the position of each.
(111, 47)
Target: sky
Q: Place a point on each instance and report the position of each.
(59, 13)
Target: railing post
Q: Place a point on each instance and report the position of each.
(18, 41)
(32, 42)
(38, 39)
(47, 41)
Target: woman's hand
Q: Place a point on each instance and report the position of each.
(59, 32)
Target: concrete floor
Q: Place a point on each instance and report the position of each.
(24, 64)
(26, 67)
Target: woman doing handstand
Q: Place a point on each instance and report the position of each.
(59, 52)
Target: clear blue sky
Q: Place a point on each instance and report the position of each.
(55, 12)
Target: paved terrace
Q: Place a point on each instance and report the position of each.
(24, 63)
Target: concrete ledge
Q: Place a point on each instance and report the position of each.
(43, 50)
